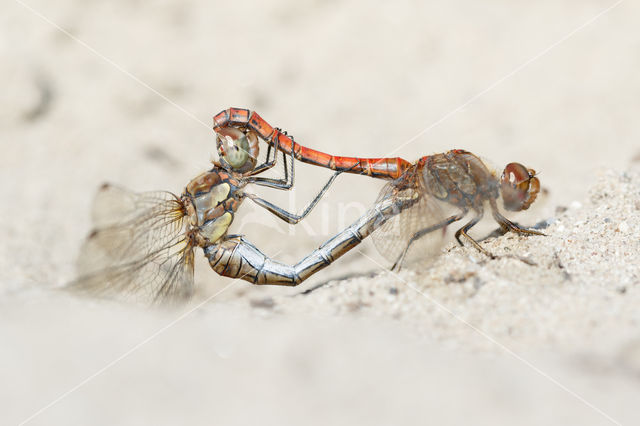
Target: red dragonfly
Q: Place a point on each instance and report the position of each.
(251, 123)
(457, 179)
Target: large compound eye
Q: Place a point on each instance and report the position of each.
(519, 187)
(238, 150)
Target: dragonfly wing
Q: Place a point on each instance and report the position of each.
(392, 238)
(139, 249)
(114, 204)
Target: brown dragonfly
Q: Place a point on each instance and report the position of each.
(456, 179)
(143, 243)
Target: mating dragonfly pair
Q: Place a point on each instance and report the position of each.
(144, 243)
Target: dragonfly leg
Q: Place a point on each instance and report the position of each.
(419, 234)
(289, 170)
(464, 232)
(236, 257)
(507, 225)
(289, 217)
(268, 163)
(285, 183)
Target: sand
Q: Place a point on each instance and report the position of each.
(461, 339)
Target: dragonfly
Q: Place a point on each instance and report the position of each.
(456, 180)
(143, 244)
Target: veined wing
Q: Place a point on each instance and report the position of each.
(392, 237)
(139, 248)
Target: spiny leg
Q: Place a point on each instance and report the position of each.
(289, 175)
(507, 225)
(289, 217)
(275, 145)
(284, 184)
(268, 164)
(419, 234)
(464, 232)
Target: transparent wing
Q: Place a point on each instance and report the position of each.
(392, 238)
(139, 249)
(114, 204)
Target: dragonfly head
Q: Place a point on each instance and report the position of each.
(238, 151)
(519, 187)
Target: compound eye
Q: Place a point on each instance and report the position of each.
(238, 150)
(519, 187)
(237, 153)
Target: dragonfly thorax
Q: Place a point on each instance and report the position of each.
(459, 178)
(212, 202)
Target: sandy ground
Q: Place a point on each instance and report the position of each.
(467, 340)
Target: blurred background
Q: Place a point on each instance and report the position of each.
(124, 91)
